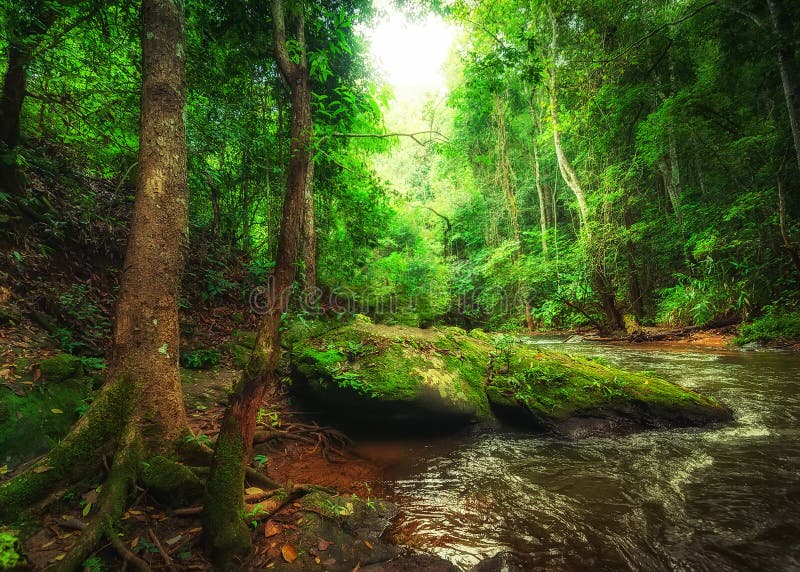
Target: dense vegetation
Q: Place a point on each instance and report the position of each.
(165, 169)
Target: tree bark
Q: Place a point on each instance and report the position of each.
(146, 335)
(787, 61)
(226, 533)
(139, 411)
(20, 51)
(309, 240)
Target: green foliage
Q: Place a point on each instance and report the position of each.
(200, 358)
(775, 326)
(9, 551)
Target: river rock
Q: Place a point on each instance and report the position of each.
(583, 397)
(397, 378)
(394, 376)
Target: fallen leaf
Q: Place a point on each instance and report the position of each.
(323, 545)
(37, 374)
(42, 469)
(289, 553)
(87, 509)
(196, 529)
(329, 562)
(368, 543)
(135, 542)
(173, 540)
(253, 491)
(357, 568)
(3, 469)
(60, 557)
(56, 410)
(271, 529)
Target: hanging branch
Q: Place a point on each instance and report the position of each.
(413, 136)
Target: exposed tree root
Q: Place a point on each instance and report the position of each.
(111, 504)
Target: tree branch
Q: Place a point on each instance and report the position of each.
(288, 68)
(413, 136)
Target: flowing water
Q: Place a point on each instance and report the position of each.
(688, 499)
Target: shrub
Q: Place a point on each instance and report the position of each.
(771, 327)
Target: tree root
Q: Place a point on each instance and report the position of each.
(110, 506)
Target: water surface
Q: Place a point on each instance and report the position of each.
(685, 499)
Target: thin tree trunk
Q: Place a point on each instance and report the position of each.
(505, 176)
(792, 249)
(634, 284)
(20, 51)
(226, 532)
(309, 239)
(538, 175)
(787, 61)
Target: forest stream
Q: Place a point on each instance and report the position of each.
(685, 499)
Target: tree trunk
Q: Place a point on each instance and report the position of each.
(787, 61)
(146, 336)
(226, 533)
(538, 176)
(505, 177)
(309, 241)
(634, 285)
(20, 50)
(139, 411)
(567, 172)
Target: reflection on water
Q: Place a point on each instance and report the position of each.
(685, 499)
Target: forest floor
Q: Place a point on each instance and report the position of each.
(165, 538)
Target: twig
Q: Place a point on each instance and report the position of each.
(167, 558)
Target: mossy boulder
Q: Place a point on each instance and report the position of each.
(60, 367)
(393, 376)
(170, 482)
(579, 396)
(370, 376)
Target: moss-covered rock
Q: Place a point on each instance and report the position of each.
(579, 396)
(393, 376)
(60, 367)
(170, 483)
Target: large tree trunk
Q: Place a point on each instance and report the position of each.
(139, 410)
(146, 335)
(787, 61)
(226, 533)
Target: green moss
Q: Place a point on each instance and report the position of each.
(225, 532)
(60, 367)
(239, 354)
(77, 454)
(31, 423)
(552, 386)
(243, 338)
(171, 483)
(438, 370)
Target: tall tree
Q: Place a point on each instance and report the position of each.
(139, 411)
(226, 532)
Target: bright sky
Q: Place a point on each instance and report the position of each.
(411, 53)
